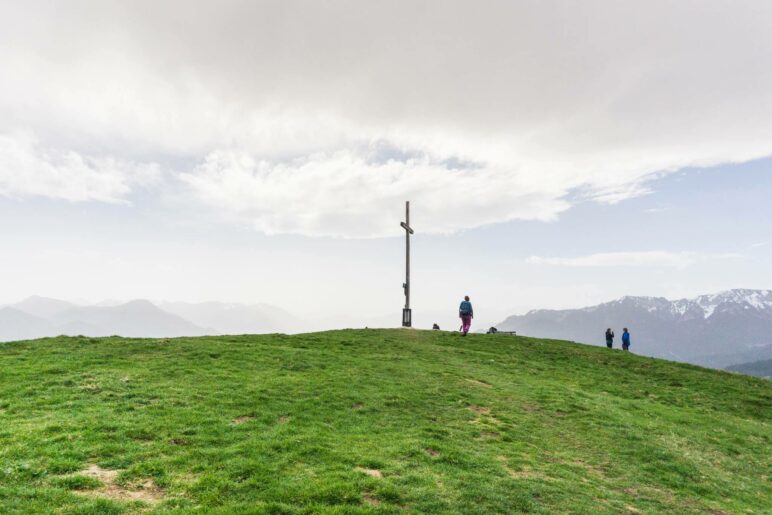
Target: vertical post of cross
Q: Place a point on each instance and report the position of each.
(407, 315)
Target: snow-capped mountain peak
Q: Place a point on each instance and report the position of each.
(705, 305)
(752, 299)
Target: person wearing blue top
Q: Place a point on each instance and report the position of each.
(626, 339)
(466, 313)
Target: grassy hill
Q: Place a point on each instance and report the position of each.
(374, 421)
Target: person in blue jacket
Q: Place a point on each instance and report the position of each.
(466, 314)
(626, 339)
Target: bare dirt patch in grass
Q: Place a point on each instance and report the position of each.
(522, 473)
(485, 415)
(479, 410)
(371, 499)
(370, 472)
(477, 382)
(242, 420)
(590, 470)
(283, 419)
(91, 388)
(530, 407)
(650, 492)
(660, 494)
(104, 475)
(357, 406)
(489, 434)
(146, 491)
(432, 452)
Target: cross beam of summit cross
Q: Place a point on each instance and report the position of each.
(407, 315)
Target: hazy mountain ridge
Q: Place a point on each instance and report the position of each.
(761, 368)
(43, 307)
(18, 325)
(719, 329)
(135, 318)
(38, 317)
(234, 318)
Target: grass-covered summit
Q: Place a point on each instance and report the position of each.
(374, 421)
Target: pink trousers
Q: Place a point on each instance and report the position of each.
(466, 322)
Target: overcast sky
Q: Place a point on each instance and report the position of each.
(555, 153)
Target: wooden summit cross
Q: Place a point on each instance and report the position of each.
(407, 315)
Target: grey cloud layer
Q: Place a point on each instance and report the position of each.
(280, 104)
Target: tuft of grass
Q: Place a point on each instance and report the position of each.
(375, 421)
(77, 482)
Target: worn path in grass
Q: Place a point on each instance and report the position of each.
(374, 421)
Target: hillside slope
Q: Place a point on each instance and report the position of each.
(374, 421)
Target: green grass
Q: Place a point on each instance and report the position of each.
(483, 424)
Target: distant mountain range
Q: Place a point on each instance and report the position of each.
(757, 368)
(38, 317)
(729, 328)
(716, 330)
(234, 318)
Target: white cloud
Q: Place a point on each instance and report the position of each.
(280, 104)
(345, 194)
(653, 258)
(26, 169)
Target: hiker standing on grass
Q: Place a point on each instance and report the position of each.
(609, 338)
(466, 314)
(626, 339)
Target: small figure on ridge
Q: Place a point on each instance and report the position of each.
(626, 339)
(609, 338)
(466, 313)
